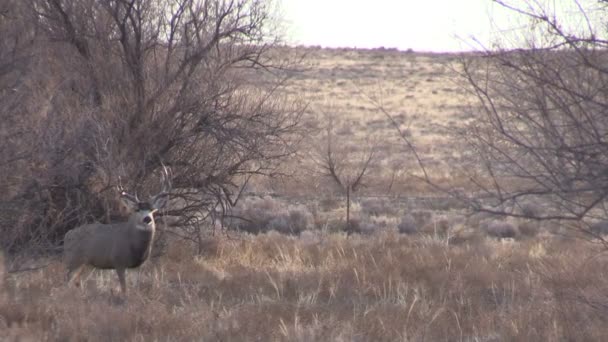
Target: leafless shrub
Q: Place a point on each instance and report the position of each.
(500, 229)
(541, 126)
(378, 206)
(297, 220)
(599, 228)
(333, 225)
(422, 217)
(352, 227)
(529, 228)
(530, 209)
(477, 219)
(369, 228)
(445, 203)
(441, 225)
(408, 225)
(534, 142)
(261, 214)
(329, 203)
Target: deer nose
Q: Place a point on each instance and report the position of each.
(147, 220)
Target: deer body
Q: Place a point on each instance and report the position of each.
(117, 246)
(108, 246)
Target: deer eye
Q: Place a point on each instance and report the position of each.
(147, 220)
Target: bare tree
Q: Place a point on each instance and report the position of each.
(538, 141)
(18, 45)
(124, 86)
(346, 169)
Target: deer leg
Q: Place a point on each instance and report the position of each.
(74, 272)
(122, 279)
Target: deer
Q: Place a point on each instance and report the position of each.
(118, 246)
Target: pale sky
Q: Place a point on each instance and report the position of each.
(433, 25)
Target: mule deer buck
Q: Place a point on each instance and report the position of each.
(119, 245)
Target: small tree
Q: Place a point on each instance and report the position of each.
(346, 169)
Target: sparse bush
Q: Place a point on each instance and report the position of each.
(407, 225)
(528, 229)
(297, 220)
(261, 214)
(368, 228)
(383, 222)
(353, 226)
(378, 206)
(329, 203)
(438, 224)
(445, 203)
(360, 226)
(441, 225)
(332, 225)
(422, 217)
(466, 236)
(500, 229)
(478, 219)
(599, 228)
(530, 209)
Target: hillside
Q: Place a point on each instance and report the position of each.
(354, 90)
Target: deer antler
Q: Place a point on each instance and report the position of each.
(124, 193)
(165, 185)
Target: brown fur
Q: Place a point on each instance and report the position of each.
(115, 246)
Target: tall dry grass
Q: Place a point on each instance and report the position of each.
(321, 287)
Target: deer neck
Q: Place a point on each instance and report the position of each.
(141, 238)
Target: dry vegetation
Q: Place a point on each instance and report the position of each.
(422, 92)
(281, 263)
(414, 269)
(319, 287)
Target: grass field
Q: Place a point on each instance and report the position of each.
(412, 271)
(355, 89)
(319, 287)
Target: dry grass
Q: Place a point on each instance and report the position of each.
(421, 92)
(326, 288)
(447, 281)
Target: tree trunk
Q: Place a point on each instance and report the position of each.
(348, 207)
